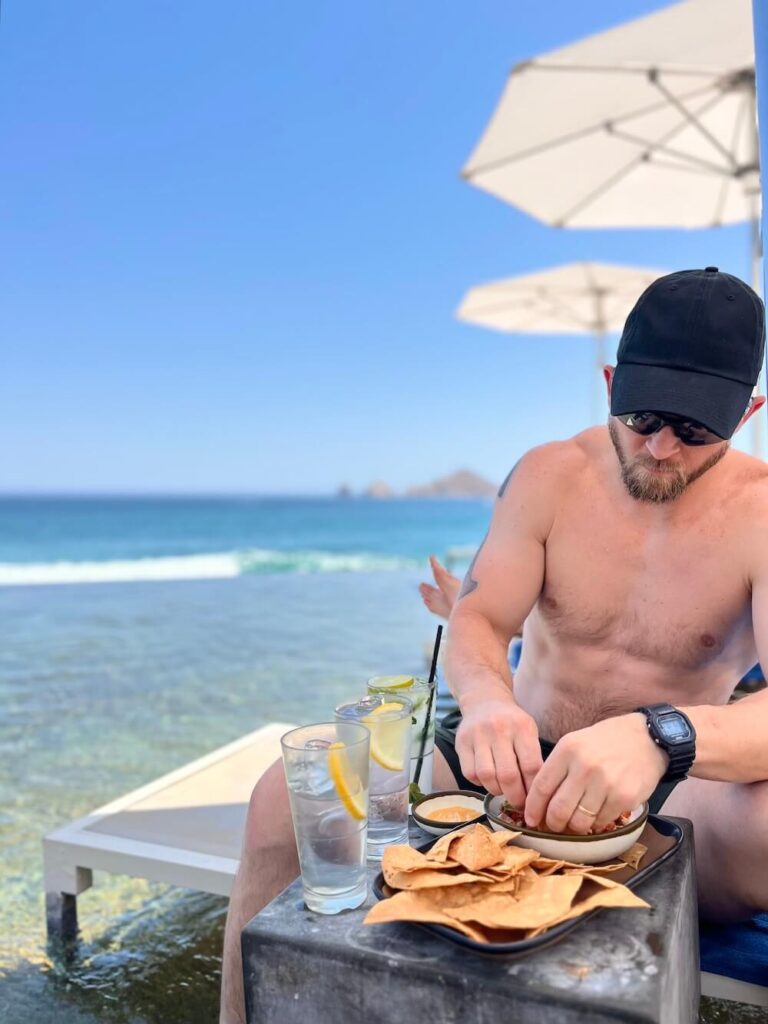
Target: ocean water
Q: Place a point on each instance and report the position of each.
(211, 618)
(136, 635)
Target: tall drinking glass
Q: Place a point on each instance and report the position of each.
(326, 768)
(421, 695)
(389, 720)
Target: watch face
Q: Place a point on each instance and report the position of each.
(674, 728)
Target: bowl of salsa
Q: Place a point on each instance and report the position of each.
(438, 813)
(614, 839)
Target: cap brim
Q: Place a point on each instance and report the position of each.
(716, 402)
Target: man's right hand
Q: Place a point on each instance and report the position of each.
(498, 745)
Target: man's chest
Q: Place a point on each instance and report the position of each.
(679, 594)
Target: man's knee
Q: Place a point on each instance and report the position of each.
(268, 823)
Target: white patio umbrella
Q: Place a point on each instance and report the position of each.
(650, 124)
(575, 298)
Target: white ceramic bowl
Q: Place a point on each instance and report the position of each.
(579, 849)
(447, 798)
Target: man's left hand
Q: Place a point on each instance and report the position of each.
(594, 774)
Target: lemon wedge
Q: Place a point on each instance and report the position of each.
(387, 737)
(392, 682)
(346, 781)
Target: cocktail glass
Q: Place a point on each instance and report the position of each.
(389, 719)
(421, 694)
(326, 768)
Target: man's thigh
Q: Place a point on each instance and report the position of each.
(730, 823)
(442, 776)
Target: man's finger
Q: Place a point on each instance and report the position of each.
(529, 759)
(510, 780)
(466, 759)
(546, 783)
(486, 771)
(564, 803)
(588, 809)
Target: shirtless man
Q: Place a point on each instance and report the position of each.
(637, 558)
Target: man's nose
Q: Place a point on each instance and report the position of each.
(663, 443)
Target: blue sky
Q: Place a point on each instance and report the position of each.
(234, 235)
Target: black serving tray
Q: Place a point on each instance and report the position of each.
(662, 837)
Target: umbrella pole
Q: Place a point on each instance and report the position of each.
(598, 395)
(758, 424)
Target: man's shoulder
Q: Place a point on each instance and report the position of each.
(551, 465)
(748, 484)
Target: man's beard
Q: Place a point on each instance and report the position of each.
(646, 486)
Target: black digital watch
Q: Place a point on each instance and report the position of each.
(672, 730)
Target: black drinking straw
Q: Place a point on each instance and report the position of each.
(427, 720)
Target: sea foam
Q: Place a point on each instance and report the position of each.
(222, 565)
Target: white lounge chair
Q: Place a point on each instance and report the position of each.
(184, 829)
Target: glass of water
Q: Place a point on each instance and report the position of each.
(326, 768)
(423, 697)
(389, 720)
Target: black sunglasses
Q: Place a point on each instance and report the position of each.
(688, 431)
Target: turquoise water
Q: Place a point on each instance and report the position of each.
(116, 539)
(105, 686)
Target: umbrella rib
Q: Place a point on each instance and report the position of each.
(558, 306)
(623, 171)
(562, 140)
(655, 147)
(692, 120)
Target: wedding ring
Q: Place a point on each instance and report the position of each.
(592, 814)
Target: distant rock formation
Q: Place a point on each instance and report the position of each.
(344, 491)
(379, 489)
(461, 484)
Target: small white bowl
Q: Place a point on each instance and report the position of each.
(579, 849)
(447, 798)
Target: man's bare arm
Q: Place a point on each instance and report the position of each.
(731, 740)
(498, 742)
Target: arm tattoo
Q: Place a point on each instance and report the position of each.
(469, 585)
(503, 488)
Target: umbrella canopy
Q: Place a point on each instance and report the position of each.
(651, 124)
(576, 298)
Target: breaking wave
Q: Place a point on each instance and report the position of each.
(198, 567)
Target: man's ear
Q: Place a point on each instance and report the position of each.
(608, 375)
(756, 403)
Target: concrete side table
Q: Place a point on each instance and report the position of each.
(623, 965)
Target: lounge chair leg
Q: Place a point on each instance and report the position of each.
(61, 916)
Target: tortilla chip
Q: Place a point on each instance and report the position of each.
(502, 838)
(514, 860)
(446, 897)
(545, 866)
(610, 894)
(442, 847)
(476, 850)
(593, 869)
(408, 906)
(482, 885)
(545, 902)
(428, 879)
(634, 855)
(405, 858)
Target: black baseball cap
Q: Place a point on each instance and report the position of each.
(692, 346)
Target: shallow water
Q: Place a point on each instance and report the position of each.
(106, 687)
